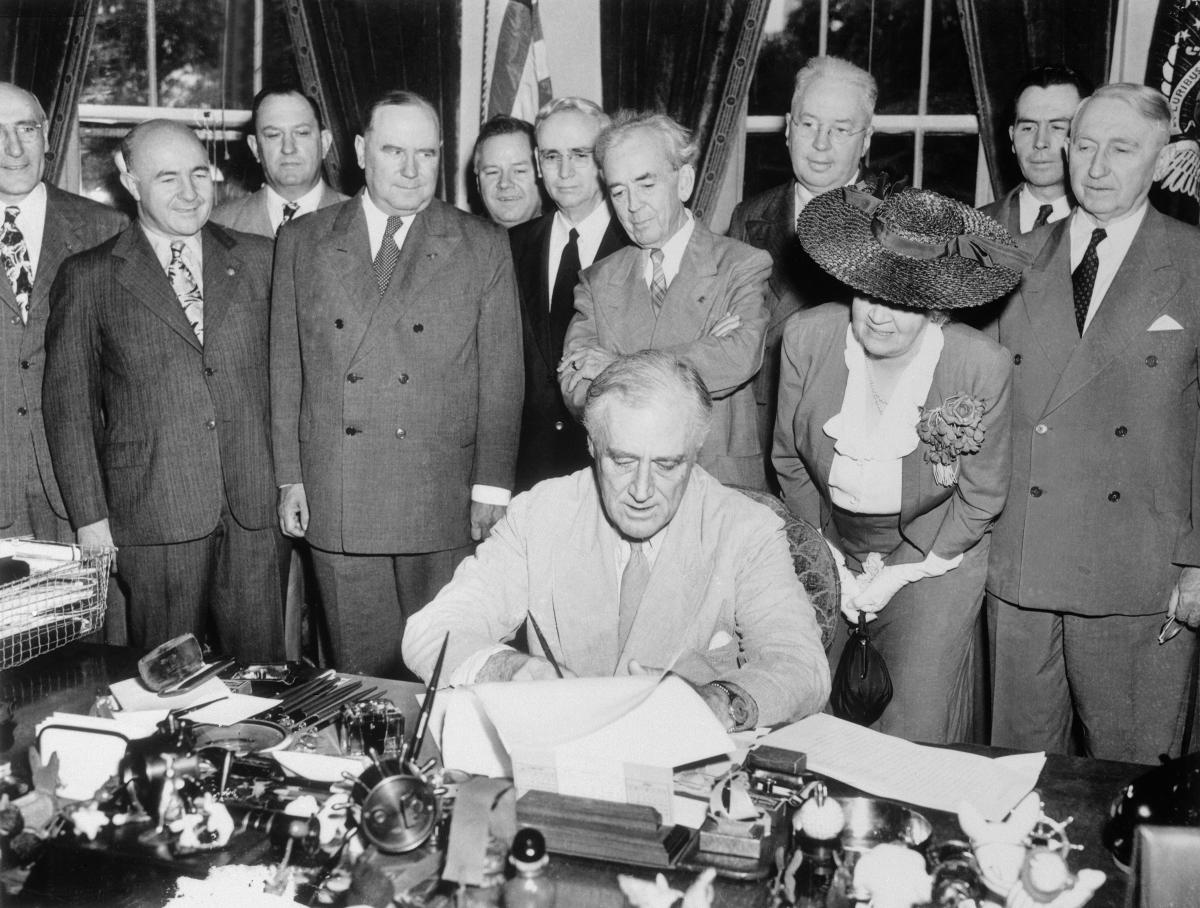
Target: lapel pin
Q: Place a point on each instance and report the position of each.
(230, 272)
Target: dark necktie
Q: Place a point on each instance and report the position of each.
(289, 212)
(1043, 216)
(1083, 279)
(183, 282)
(389, 254)
(658, 280)
(634, 579)
(15, 255)
(562, 299)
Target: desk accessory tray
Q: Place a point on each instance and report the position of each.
(605, 830)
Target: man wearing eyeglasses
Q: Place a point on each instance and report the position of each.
(40, 226)
(548, 254)
(828, 132)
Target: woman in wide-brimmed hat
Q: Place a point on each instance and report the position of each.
(893, 433)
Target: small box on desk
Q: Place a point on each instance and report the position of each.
(604, 830)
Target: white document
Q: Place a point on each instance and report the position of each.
(229, 709)
(893, 768)
(615, 739)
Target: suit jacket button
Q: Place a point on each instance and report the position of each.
(1151, 361)
(403, 379)
(400, 433)
(1114, 496)
(558, 425)
(1016, 359)
(418, 328)
(353, 377)
(1041, 428)
(210, 371)
(350, 430)
(211, 424)
(1121, 432)
(338, 323)
(24, 364)
(21, 411)
(1036, 492)
(16, 319)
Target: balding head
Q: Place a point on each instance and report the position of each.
(22, 143)
(168, 174)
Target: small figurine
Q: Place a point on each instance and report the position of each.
(892, 876)
(1045, 881)
(659, 894)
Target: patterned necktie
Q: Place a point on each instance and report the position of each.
(1083, 279)
(658, 280)
(1043, 216)
(186, 288)
(389, 254)
(633, 586)
(289, 212)
(15, 255)
(562, 300)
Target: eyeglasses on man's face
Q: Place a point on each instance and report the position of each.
(812, 128)
(578, 157)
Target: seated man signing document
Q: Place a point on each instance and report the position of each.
(642, 563)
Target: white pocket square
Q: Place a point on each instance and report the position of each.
(1165, 323)
(719, 639)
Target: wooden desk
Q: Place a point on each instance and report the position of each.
(67, 680)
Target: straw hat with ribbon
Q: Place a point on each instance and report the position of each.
(913, 248)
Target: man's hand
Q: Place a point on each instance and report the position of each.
(727, 324)
(584, 364)
(1184, 604)
(293, 510)
(510, 665)
(483, 518)
(98, 536)
(714, 698)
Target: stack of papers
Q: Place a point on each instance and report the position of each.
(134, 697)
(894, 768)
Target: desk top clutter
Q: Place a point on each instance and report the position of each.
(616, 779)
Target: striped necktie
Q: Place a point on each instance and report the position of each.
(15, 254)
(185, 287)
(658, 280)
(289, 212)
(388, 256)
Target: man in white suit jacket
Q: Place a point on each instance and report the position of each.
(719, 600)
(287, 139)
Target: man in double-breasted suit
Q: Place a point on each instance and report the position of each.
(548, 254)
(1098, 543)
(287, 139)
(156, 397)
(396, 386)
(640, 563)
(40, 226)
(681, 288)
(828, 132)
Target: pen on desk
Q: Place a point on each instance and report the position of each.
(412, 747)
(543, 644)
(183, 711)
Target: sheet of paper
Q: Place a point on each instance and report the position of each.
(89, 749)
(133, 696)
(893, 768)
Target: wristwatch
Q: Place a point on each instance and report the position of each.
(739, 705)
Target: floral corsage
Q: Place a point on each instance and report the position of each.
(951, 430)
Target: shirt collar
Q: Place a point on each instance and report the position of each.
(593, 226)
(803, 195)
(33, 206)
(1117, 234)
(1029, 206)
(673, 250)
(308, 203)
(192, 248)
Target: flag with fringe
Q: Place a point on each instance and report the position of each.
(520, 75)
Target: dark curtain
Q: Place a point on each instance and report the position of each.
(692, 59)
(1007, 38)
(44, 49)
(347, 51)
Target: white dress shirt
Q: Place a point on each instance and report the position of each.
(376, 229)
(591, 234)
(31, 221)
(803, 195)
(672, 251)
(307, 204)
(1111, 252)
(193, 255)
(1028, 207)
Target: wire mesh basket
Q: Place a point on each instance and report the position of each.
(61, 600)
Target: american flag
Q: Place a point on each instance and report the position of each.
(521, 75)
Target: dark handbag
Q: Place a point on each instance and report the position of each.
(862, 687)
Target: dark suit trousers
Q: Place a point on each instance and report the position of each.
(228, 579)
(367, 599)
(1129, 693)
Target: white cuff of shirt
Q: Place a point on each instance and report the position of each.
(491, 495)
(469, 668)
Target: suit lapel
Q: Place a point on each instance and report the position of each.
(221, 284)
(350, 271)
(427, 251)
(588, 610)
(141, 274)
(696, 271)
(1143, 285)
(259, 219)
(1046, 295)
(539, 304)
(60, 239)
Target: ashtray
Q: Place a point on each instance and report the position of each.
(873, 821)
